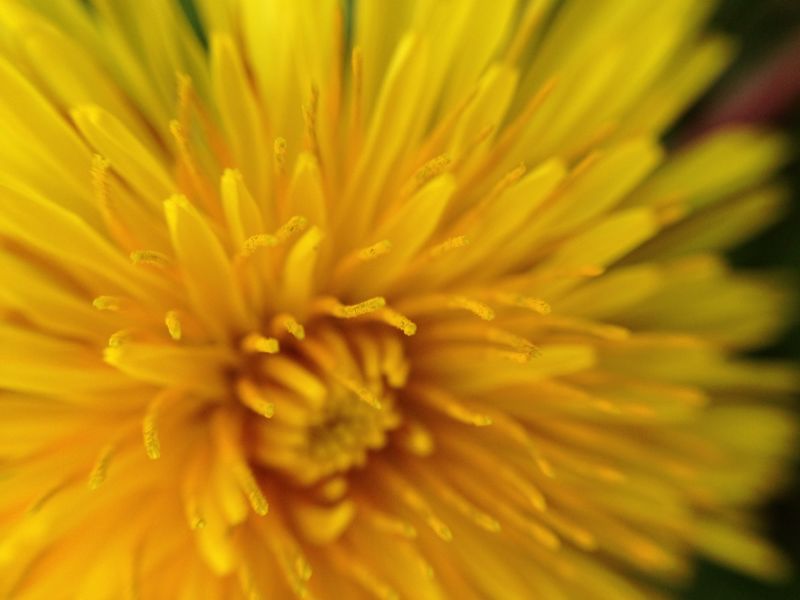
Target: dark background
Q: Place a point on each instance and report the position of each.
(763, 27)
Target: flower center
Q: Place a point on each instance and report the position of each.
(330, 398)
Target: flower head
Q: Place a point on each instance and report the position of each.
(375, 300)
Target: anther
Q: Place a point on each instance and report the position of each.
(100, 186)
(374, 251)
(260, 240)
(150, 257)
(173, 323)
(349, 311)
(397, 320)
(247, 481)
(100, 179)
(439, 528)
(254, 399)
(484, 311)
(290, 324)
(99, 471)
(448, 245)
(294, 225)
(430, 170)
(360, 390)
(152, 444)
(111, 303)
(118, 338)
(279, 148)
(257, 343)
(535, 304)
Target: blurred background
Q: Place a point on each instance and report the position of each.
(763, 85)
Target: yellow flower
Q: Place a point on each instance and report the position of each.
(376, 300)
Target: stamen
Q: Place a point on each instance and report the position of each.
(358, 257)
(391, 525)
(152, 444)
(190, 492)
(524, 346)
(99, 471)
(118, 338)
(100, 180)
(417, 439)
(520, 358)
(535, 304)
(374, 251)
(407, 493)
(302, 567)
(294, 225)
(254, 242)
(345, 311)
(484, 311)
(510, 134)
(448, 405)
(111, 303)
(279, 148)
(397, 320)
(226, 428)
(257, 343)
(519, 434)
(430, 170)
(100, 185)
(247, 481)
(439, 528)
(361, 391)
(150, 257)
(178, 131)
(173, 323)
(290, 324)
(460, 503)
(179, 134)
(448, 245)
(254, 399)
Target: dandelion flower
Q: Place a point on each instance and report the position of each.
(376, 300)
